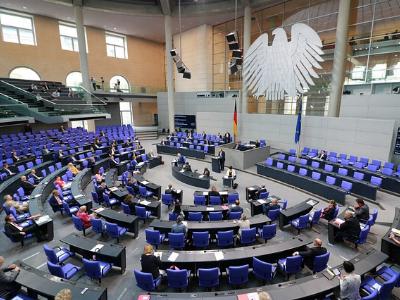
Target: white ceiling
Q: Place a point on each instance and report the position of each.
(133, 17)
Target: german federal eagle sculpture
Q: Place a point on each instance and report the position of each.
(285, 68)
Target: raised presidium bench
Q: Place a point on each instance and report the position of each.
(316, 187)
(309, 287)
(40, 283)
(184, 151)
(191, 178)
(211, 226)
(387, 245)
(389, 183)
(121, 219)
(87, 247)
(359, 187)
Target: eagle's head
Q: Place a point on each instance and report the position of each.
(279, 34)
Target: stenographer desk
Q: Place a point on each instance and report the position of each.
(387, 245)
(243, 159)
(205, 210)
(296, 211)
(305, 183)
(87, 247)
(39, 283)
(130, 222)
(223, 195)
(256, 206)
(191, 178)
(182, 150)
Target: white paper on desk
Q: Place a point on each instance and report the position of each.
(158, 254)
(219, 255)
(173, 256)
(253, 296)
(210, 208)
(184, 223)
(97, 248)
(43, 219)
(182, 171)
(178, 191)
(99, 209)
(396, 231)
(113, 189)
(78, 196)
(38, 195)
(145, 182)
(144, 202)
(201, 176)
(205, 193)
(376, 286)
(261, 201)
(67, 186)
(311, 202)
(224, 193)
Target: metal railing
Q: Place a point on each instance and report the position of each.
(130, 90)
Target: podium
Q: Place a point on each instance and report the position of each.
(216, 164)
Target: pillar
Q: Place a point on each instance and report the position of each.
(169, 74)
(246, 45)
(82, 45)
(339, 59)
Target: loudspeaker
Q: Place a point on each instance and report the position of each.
(233, 46)
(173, 52)
(181, 69)
(237, 53)
(239, 61)
(231, 37)
(187, 75)
(233, 68)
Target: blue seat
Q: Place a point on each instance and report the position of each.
(330, 180)
(215, 215)
(248, 236)
(115, 231)
(292, 159)
(144, 192)
(315, 164)
(225, 238)
(372, 294)
(232, 198)
(269, 161)
(195, 216)
(208, 278)
(142, 213)
(145, 281)
(284, 204)
(66, 271)
(267, 232)
(290, 168)
(238, 275)
(172, 216)
(178, 279)
(347, 186)
(372, 168)
(109, 201)
(95, 197)
(263, 195)
(316, 175)
(96, 269)
(200, 239)
(314, 217)
(78, 224)
(388, 165)
(320, 262)
(328, 168)
(263, 270)
(176, 240)
(57, 255)
(301, 222)
(303, 172)
(126, 208)
(69, 210)
(166, 199)
(130, 190)
(388, 280)
(234, 215)
(279, 165)
(387, 171)
(154, 237)
(199, 200)
(343, 171)
(273, 214)
(215, 200)
(290, 265)
(362, 239)
(374, 215)
(97, 226)
(376, 181)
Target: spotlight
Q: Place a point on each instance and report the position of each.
(237, 53)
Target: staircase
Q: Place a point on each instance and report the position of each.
(146, 133)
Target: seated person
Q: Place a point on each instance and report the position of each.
(27, 186)
(8, 286)
(84, 216)
(206, 172)
(132, 182)
(231, 172)
(113, 162)
(186, 167)
(60, 182)
(271, 206)
(180, 160)
(7, 170)
(213, 192)
(329, 211)
(171, 191)
(60, 155)
(102, 188)
(99, 178)
(394, 238)
(45, 151)
(243, 223)
(21, 207)
(128, 200)
(74, 170)
(91, 163)
(322, 155)
(236, 207)
(311, 252)
(262, 189)
(14, 156)
(256, 143)
(361, 210)
(55, 200)
(179, 227)
(177, 210)
(150, 263)
(17, 232)
(349, 229)
(35, 177)
(152, 154)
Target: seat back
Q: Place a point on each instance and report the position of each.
(225, 238)
(315, 164)
(234, 215)
(376, 163)
(238, 274)
(343, 171)
(195, 216)
(248, 236)
(328, 168)
(153, 237)
(95, 197)
(273, 214)
(293, 264)
(97, 225)
(262, 269)
(363, 235)
(269, 161)
(374, 215)
(290, 168)
(292, 158)
(199, 200)
(208, 277)
(77, 223)
(347, 186)
(126, 209)
(279, 165)
(263, 195)
(330, 180)
(320, 262)
(303, 161)
(55, 269)
(359, 165)
(387, 171)
(166, 199)
(269, 231)
(140, 211)
(303, 172)
(200, 239)
(303, 221)
(112, 229)
(50, 253)
(232, 198)
(142, 190)
(316, 175)
(177, 278)
(316, 216)
(144, 281)
(215, 215)
(377, 181)
(92, 268)
(385, 291)
(215, 200)
(284, 204)
(372, 168)
(176, 240)
(358, 175)
(389, 165)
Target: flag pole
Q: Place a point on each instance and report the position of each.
(298, 125)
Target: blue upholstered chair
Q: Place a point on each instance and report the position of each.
(215, 215)
(234, 215)
(290, 265)
(225, 238)
(110, 201)
(142, 213)
(215, 200)
(57, 255)
(248, 236)
(166, 199)
(347, 186)
(115, 231)
(97, 226)
(301, 222)
(363, 236)
(154, 237)
(201, 239)
(145, 281)
(195, 216)
(176, 240)
(314, 217)
(208, 278)
(144, 192)
(78, 224)
(178, 279)
(273, 214)
(63, 271)
(199, 200)
(267, 232)
(126, 208)
(320, 262)
(96, 269)
(263, 270)
(238, 275)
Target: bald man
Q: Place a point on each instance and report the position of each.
(7, 279)
(311, 252)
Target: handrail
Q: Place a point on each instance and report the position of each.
(91, 94)
(13, 99)
(28, 93)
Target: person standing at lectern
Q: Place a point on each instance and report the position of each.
(221, 155)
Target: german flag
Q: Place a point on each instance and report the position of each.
(235, 123)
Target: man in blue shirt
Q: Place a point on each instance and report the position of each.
(236, 207)
(179, 227)
(271, 206)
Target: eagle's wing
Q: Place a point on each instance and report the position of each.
(305, 50)
(254, 66)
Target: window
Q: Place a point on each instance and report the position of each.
(80, 123)
(379, 71)
(116, 45)
(123, 84)
(68, 37)
(17, 28)
(126, 113)
(358, 73)
(73, 79)
(24, 73)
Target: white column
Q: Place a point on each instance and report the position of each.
(82, 45)
(339, 59)
(169, 74)
(246, 45)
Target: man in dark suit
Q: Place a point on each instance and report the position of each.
(361, 211)
(7, 170)
(27, 186)
(311, 252)
(237, 207)
(349, 229)
(8, 286)
(100, 190)
(18, 232)
(271, 206)
(221, 156)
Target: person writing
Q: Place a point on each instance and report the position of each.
(361, 210)
(322, 155)
(310, 253)
(150, 263)
(7, 170)
(329, 211)
(243, 223)
(179, 227)
(349, 282)
(8, 286)
(349, 229)
(35, 177)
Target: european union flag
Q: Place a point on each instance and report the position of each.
(298, 125)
